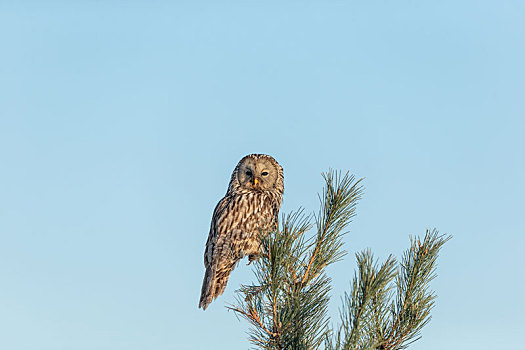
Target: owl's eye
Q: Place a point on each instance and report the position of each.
(248, 172)
(264, 173)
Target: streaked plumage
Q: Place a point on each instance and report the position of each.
(251, 205)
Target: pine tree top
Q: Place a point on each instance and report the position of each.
(386, 308)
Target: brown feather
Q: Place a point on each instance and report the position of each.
(237, 221)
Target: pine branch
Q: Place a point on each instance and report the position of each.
(386, 308)
(367, 320)
(414, 300)
(287, 307)
(362, 317)
(340, 197)
(366, 287)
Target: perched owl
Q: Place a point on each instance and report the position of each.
(251, 205)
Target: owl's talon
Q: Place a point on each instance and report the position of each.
(251, 258)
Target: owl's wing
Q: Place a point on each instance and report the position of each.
(214, 232)
(212, 284)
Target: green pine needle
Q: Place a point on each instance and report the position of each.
(388, 303)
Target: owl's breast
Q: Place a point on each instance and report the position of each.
(256, 212)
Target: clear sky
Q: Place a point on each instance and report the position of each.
(121, 121)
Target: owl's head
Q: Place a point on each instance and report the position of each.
(257, 172)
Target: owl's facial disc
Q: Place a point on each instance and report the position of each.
(256, 175)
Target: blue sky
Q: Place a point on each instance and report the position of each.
(121, 121)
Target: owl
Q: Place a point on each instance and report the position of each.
(250, 206)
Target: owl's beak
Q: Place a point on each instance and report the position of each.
(255, 181)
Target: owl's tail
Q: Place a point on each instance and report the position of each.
(214, 283)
